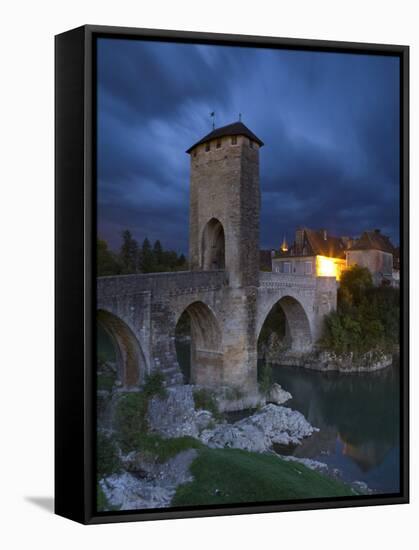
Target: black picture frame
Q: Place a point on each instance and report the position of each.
(75, 234)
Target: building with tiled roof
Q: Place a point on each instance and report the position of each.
(374, 251)
(313, 252)
(317, 253)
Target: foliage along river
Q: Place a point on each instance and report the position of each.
(358, 415)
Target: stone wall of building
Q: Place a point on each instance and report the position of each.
(380, 263)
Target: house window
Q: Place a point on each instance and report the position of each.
(218, 143)
(287, 267)
(233, 140)
(308, 268)
(250, 144)
(194, 153)
(207, 147)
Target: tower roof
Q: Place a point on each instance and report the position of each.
(235, 129)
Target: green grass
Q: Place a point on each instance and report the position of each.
(132, 430)
(229, 476)
(164, 449)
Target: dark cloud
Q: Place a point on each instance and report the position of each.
(330, 124)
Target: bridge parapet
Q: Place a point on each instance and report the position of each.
(161, 283)
(268, 279)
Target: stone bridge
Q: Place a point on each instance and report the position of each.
(140, 314)
(226, 296)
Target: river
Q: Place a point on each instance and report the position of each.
(358, 415)
(359, 420)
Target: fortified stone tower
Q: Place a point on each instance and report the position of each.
(225, 204)
(224, 235)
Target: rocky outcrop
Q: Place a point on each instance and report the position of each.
(154, 487)
(175, 415)
(349, 362)
(259, 432)
(330, 361)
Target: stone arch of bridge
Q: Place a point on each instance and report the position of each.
(213, 246)
(131, 364)
(206, 354)
(298, 331)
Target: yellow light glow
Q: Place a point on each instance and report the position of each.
(327, 267)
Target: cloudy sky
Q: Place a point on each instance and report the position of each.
(329, 122)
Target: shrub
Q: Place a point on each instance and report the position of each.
(204, 400)
(265, 378)
(131, 419)
(164, 449)
(354, 284)
(107, 456)
(232, 394)
(102, 503)
(154, 385)
(131, 412)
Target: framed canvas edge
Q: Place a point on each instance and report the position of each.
(86, 513)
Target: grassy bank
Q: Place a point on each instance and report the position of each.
(226, 476)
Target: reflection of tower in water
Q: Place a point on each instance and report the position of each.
(367, 455)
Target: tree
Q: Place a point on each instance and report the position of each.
(367, 317)
(107, 264)
(158, 253)
(147, 260)
(129, 253)
(354, 284)
(182, 262)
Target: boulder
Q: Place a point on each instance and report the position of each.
(174, 415)
(248, 438)
(278, 395)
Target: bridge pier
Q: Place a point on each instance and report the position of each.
(239, 340)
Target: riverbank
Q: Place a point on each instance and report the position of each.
(217, 476)
(234, 476)
(173, 452)
(326, 361)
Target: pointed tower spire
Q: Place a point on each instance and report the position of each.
(284, 245)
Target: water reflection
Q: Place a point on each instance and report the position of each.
(359, 421)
